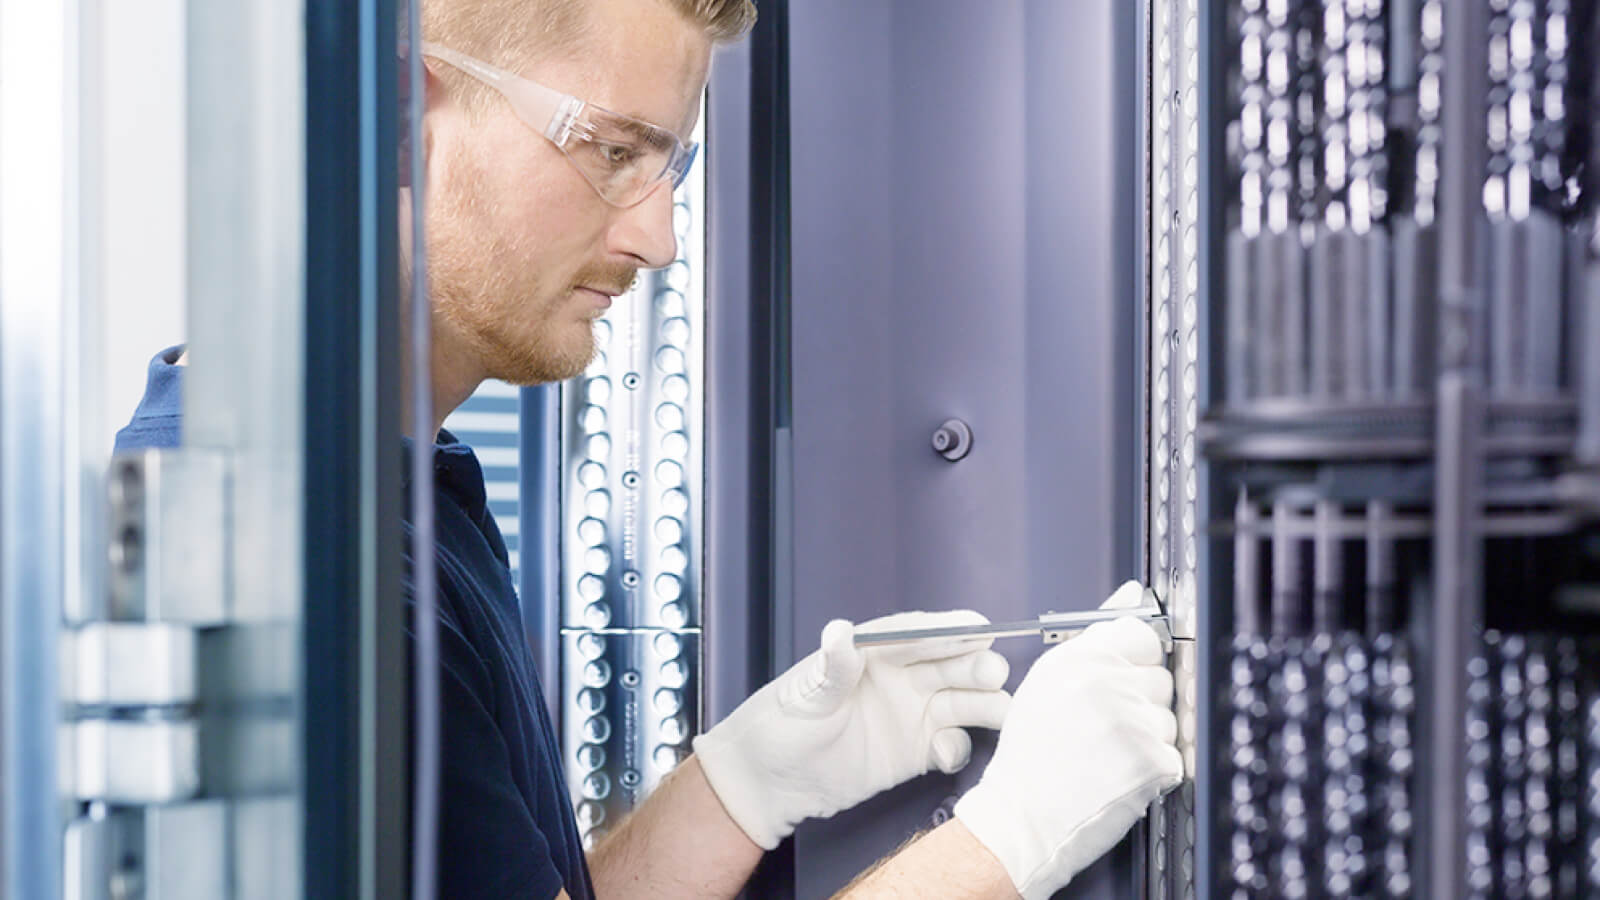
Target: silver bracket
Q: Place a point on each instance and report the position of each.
(168, 525)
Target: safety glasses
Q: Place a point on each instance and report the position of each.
(623, 158)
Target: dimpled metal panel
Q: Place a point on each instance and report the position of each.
(1174, 309)
(632, 439)
(632, 712)
(1173, 354)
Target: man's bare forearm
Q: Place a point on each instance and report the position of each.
(946, 862)
(680, 843)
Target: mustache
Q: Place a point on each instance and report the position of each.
(615, 278)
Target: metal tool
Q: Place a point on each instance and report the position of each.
(1053, 627)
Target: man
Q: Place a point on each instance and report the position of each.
(540, 210)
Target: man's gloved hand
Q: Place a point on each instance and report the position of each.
(845, 723)
(1088, 746)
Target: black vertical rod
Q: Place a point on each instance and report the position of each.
(355, 815)
(1457, 602)
(769, 367)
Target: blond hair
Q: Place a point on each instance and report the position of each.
(509, 33)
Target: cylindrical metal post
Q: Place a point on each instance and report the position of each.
(1457, 601)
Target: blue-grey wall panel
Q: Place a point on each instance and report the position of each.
(843, 339)
(1082, 375)
(728, 594)
(963, 219)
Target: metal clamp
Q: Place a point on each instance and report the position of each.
(122, 664)
(167, 519)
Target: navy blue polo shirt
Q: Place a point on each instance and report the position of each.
(506, 828)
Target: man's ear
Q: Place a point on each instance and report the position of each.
(434, 96)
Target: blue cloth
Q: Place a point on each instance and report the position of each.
(158, 420)
(506, 827)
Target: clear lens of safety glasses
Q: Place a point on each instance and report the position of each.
(623, 158)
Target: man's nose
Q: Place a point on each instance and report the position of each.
(644, 231)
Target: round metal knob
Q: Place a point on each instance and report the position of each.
(953, 440)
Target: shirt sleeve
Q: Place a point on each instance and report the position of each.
(489, 845)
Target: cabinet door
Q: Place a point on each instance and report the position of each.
(964, 230)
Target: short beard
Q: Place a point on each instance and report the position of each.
(479, 280)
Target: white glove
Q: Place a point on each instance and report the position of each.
(846, 723)
(1088, 746)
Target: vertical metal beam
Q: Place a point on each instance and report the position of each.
(356, 748)
(38, 154)
(1179, 99)
(731, 673)
(244, 212)
(1214, 561)
(1457, 603)
(768, 361)
(539, 467)
(769, 298)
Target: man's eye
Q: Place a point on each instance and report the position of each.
(616, 154)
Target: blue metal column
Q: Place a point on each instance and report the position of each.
(539, 511)
(355, 672)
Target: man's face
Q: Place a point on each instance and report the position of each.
(523, 255)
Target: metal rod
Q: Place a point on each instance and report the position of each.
(958, 632)
(425, 673)
(1380, 569)
(1242, 278)
(1542, 355)
(1327, 571)
(1266, 336)
(1588, 447)
(1380, 312)
(1288, 607)
(1045, 623)
(1290, 255)
(1457, 601)
(1325, 319)
(1407, 303)
(1503, 297)
(1246, 568)
(1354, 302)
